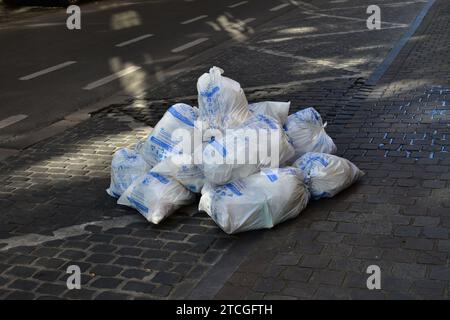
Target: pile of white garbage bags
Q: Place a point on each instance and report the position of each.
(254, 166)
(259, 201)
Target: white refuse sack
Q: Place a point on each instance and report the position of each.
(221, 101)
(181, 168)
(126, 166)
(162, 141)
(155, 196)
(274, 109)
(326, 174)
(306, 132)
(259, 201)
(238, 154)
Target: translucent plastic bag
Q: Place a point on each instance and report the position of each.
(126, 166)
(161, 141)
(155, 196)
(259, 201)
(274, 109)
(307, 133)
(259, 142)
(181, 168)
(221, 101)
(326, 174)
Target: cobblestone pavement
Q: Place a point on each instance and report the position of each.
(55, 212)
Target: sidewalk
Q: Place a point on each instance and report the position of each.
(55, 212)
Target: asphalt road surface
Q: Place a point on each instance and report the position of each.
(48, 71)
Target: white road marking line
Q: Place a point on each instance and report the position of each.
(304, 4)
(39, 25)
(11, 120)
(281, 6)
(48, 70)
(189, 45)
(249, 20)
(125, 43)
(33, 239)
(392, 4)
(112, 77)
(295, 84)
(315, 15)
(194, 19)
(317, 35)
(312, 61)
(237, 4)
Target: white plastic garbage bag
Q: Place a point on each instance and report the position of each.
(259, 201)
(221, 101)
(126, 166)
(181, 168)
(259, 142)
(326, 174)
(161, 141)
(307, 133)
(155, 196)
(274, 109)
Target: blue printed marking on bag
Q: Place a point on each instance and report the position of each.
(160, 178)
(268, 121)
(272, 176)
(138, 205)
(210, 94)
(306, 164)
(180, 117)
(233, 189)
(218, 147)
(161, 143)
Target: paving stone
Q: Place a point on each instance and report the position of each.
(330, 277)
(130, 262)
(142, 287)
(408, 271)
(440, 273)
(100, 258)
(51, 263)
(300, 290)
(162, 291)
(129, 251)
(419, 244)
(109, 295)
(158, 265)
(436, 232)
(20, 295)
(21, 271)
(106, 283)
(47, 275)
(103, 248)
(135, 273)
(314, 261)
(268, 285)
(25, 285)
(167, 278)
(106, 270)
(287, 259)
(51, 289)
(72, 254)
(22, 259)
(79, 294)
(297, 274)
